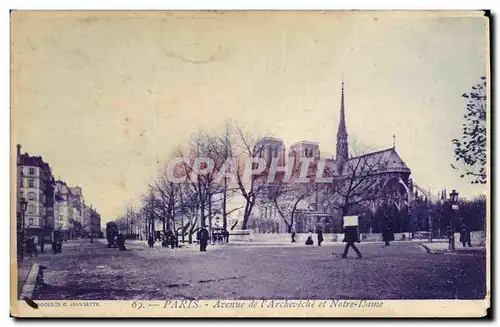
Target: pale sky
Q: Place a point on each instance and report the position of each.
(104, 97)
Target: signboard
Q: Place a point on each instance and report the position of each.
(350, 221)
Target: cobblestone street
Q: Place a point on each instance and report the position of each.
(404, 270)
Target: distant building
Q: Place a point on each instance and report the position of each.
(36, 186)
(63, 209)
(95, 223)
(86, 220)
(77, 210)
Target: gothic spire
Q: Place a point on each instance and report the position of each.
(342, 128)
(342, 154)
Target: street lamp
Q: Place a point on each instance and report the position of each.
(454, 207)
(430, 225)
(131, 229)
(23, 205)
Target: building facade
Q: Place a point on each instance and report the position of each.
(95, 223)
(51, 204)
(36, 186)
(63, 209)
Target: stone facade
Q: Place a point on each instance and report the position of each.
(51, 204)
(36, 186)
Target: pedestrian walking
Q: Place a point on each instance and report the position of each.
(465, 238)
(42, 245)
(203, 237)
(309, 240)
(151, 241)
(319, 231)
(54, 242)
(173, 241)
(226, 236)
(387, 235)
(31, 246)
(293, 235)
(120, 240)
(350, 237)
(59, 241)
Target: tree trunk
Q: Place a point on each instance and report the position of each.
(165, 218)
(246, 215)
(224, 205)
(202, 214)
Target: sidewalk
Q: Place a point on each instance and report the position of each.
(442, 248)
(22, 272)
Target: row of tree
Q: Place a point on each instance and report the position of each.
(206, 194)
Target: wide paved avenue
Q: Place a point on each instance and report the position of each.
(90, 271)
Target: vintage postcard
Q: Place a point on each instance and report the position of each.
(250, 164)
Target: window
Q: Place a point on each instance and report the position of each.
(31, 183)
(31, 196)
(30, 222)
(61, 217)
(32, 171)
(31, 208)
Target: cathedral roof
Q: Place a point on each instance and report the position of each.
(388, 158)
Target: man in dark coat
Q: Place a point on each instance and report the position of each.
(319, 231)
(465, 235)
(31, 246)
(203, 236)
(173, 240)
(151, 241)
(387, 235)
(293, 235)
(120, 240)
(42, 243)
(350, 237)
(55, 236)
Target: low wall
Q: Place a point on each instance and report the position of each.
(240, 235)
(477, 238)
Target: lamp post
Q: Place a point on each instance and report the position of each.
(131, 229)
(430, 225)
(454, 207)
(23, 205)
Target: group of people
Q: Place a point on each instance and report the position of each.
(56, 242)
(220, 236)
(168, 239)
(351, 236)
(117, 241)
(309, 241)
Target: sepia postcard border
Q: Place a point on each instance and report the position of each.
(245, 308)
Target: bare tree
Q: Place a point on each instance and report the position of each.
(168, 195)
(250, 185)
(149, 211)
(286, 198)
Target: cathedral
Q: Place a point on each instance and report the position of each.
(376, 186)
